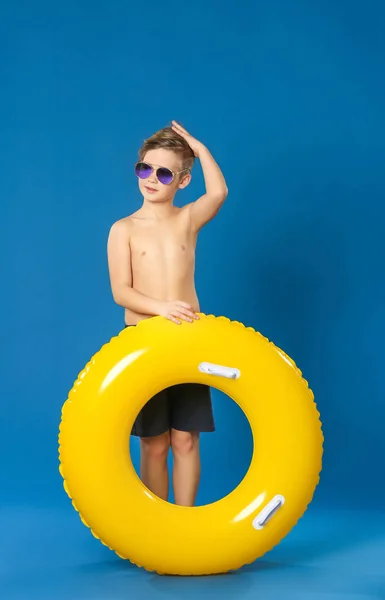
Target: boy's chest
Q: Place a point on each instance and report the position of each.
(159, 242)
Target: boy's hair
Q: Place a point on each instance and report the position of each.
(169, 140)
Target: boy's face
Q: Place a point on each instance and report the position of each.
(151, 188)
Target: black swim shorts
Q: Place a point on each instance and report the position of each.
(185, 407)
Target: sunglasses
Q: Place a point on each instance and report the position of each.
(163, 174)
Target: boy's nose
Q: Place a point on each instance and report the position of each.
(153, 178)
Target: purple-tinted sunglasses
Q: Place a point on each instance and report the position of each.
(163, 174)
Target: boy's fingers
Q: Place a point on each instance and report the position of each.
(177, 126)
(189, 311)
(179, 132)
(186, 309)
(185, 315)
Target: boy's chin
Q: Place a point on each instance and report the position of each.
(155, 199)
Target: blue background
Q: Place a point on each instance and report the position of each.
(289, 97)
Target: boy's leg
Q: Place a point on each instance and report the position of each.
(153, 463)
(191, 413)
(152, 425)
(187, 467)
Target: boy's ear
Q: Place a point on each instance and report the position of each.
(185, 181)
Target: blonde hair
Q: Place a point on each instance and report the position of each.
(169, 140)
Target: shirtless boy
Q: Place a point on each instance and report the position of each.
(151, 257)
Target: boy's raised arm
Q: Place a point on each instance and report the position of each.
(207, 206)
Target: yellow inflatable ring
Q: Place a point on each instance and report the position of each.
(99, 475)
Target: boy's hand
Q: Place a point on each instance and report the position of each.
(177, 310)
(194, 144)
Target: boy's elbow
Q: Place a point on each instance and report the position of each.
(222, 195)
(118, 296)
(219, 197)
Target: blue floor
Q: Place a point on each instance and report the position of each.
(331, 554)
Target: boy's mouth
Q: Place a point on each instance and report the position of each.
(150, 189)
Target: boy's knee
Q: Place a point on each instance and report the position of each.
(156, 447)
(184, 442)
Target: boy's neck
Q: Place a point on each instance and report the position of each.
(157, 211)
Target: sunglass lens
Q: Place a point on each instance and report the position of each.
(142, 170)
(164, 175)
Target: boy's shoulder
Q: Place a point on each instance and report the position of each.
(124, 224)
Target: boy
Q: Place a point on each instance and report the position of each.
(151, 258)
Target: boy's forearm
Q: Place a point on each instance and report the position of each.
(214, 180)
(139, 303)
